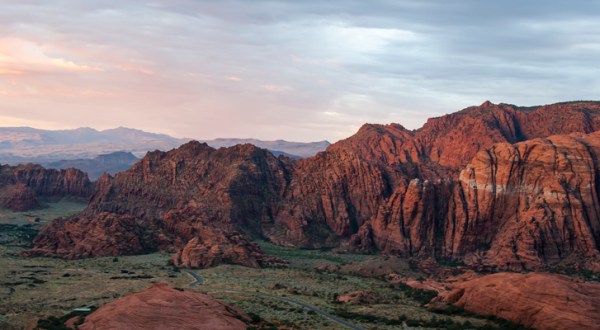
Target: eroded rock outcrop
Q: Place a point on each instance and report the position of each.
(537, 300)
(402, 192)
(18, 197)
(22, 186)
(106, 234)
(464, 187)
(531, 204)
(189, 200)
(215, 247)
(50, 182)
(163, 307)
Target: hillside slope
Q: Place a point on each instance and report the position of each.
(486, 185)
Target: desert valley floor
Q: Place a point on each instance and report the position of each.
(37, 288)
(487, 218)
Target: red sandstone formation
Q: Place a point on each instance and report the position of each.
(18, 197)
(189, 200)
(107, 234)
(459, 188)
(20, 186)
(212, 248)
(359, 297)
(163, 307)
(55, 183)
(530, 204)
(537, 300)
(401, 192)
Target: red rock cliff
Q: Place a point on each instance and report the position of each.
(174, 201)
(402, 192)
(530, 204)
(537, 300)
(20, 186)
(458, 188)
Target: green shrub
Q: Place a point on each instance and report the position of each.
(419, 295)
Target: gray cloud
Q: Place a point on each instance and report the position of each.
(299, 70)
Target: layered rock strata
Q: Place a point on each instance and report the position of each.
(536, 300)
(22, 186)
(488, 185)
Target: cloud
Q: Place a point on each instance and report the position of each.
(136, 69)
(299, 70)
(277, 88)
(18, 57)
(9, 121)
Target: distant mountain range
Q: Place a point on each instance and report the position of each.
(109, 163)
(495, 186)
(94, 151)
(25, 144)
(278, 147)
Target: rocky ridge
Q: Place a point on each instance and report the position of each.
(536, 300)
(21, 186)
(215, 247)
(488, 185)
(190, 200)
(163, 307)
(407, 192)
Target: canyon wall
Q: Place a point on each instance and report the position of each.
(21, 186)
(493, 186)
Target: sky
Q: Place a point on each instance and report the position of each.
(286, 69)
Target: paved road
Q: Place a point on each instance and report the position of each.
(300, 303)
(199, 280)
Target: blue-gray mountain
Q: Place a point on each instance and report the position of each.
(19, 145)
(110, 163)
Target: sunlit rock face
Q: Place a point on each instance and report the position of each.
(492, 186)
(536, 300)
(164, 307)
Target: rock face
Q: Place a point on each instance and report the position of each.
(18, 197)
(530, 204)
(486, 185)
(409, 193)
(537, 300)
(20, 186)
(189, 200)
(213, 248)
(163, 307)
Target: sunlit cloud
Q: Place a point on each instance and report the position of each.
(367, 39)
(8, 121)
(298, 70)
(277, 88)
(18, 57)
(10, 72)
(135, 69)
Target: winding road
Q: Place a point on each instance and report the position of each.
(297, 302)
(199, 280)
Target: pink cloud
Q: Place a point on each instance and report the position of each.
(136, 69)
(277, 88)
(20, 57)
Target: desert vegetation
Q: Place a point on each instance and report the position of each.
(49, 289)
